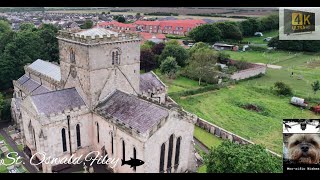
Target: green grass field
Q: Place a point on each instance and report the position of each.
(206, 138)
(222, 107)
(259, 40)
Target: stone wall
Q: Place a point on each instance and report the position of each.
(247, 73)
(224, 134)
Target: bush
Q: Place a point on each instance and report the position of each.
(258, 48)
(235, 158)
(242, 65)
(282, 89)
(169, 67)
(6, 111)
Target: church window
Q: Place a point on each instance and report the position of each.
(163, 148)
(111, 142)
(98, 138)
(72, 56)
(176, 159)
(113, 57)
(64, 141)
(34, 138)
(78, 135)
(170, 153)
(134, 157)
(123, 150)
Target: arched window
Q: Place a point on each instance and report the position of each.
(98, 138)
(112, 143)
(134, 157)
(162, 151)
(34, 138)
(78, 135)
(176, 159)
(170, 153)
(64, 141)
(123, 150)
(72, 56)
(113, 58)
(117, 57)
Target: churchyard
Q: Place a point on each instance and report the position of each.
(224, 107)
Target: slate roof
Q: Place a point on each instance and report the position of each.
(46, 68)
(23, 79)
(57, 101)
(149, 81)
(96, 31)
(131, 110)
(41, 89)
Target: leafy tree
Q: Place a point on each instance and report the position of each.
(205, 33)
(176, 51)
(250, 26)
(197, 46)
(295, 45)
(230, 30)
(2, 101)
(270, 22)
(173, 42)
(27, 27)
(315, 86)
(203, 62)
(6, 111)
(6, 38)
(169, 67)
(158, 48)
(147, 59)
(48, 33)
(282, 89)
(103, 12)
(4, 27)
(121, 19)
(87, 24)
(235, 158)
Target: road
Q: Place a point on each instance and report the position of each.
(26, 163)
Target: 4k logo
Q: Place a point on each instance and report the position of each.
(299, 19)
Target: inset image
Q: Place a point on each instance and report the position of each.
(301, 126)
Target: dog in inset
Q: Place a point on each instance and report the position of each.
(304, 148)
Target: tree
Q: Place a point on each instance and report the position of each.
(230, 30)
(48, 33)
(175, 51)
(270, 22)
(2, 101)
(205, 33)
(169, 67)
(197, 46)
(315, 86)
(121, 19)
(103, 12)
(27, 27)
(87, 24)
(250, 26)
(6, 38)
(173, 42)
(158, 48)
(147, 60)
(4, 27)
(203, 62)
(295, 45)
(282, 89)
(235, 158)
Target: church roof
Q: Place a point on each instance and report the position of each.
(46, 68)
(96, 31)
(149, 81)
(31, 85)
(137, 113)
(57, 101)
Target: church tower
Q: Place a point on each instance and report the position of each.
(98, 61)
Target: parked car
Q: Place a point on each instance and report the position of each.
(190, 44)
(267, 39)
(258, 34)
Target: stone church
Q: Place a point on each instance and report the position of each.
(95, 99)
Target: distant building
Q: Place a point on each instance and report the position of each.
(156, 38)
(221, 46)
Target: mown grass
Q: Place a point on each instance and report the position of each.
(222, 108)
(206, 138)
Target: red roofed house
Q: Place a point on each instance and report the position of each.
(157, 38)
(177, 27)
(117, 26)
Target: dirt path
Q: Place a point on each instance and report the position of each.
(271, 66)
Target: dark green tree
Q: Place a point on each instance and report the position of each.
(205, 33)
(234, 158)
(87, 24)
(4, 27)
(169, 67)
(282, 89)
(27, 27)
(176, 51)
(230, 30)
(121, 19)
